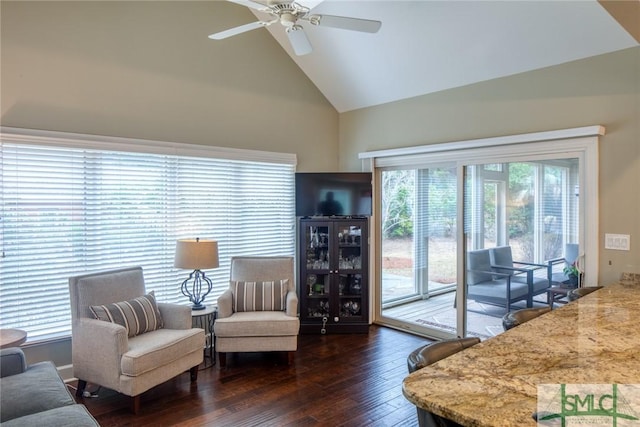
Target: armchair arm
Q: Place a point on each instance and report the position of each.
(12, 361)
(511, 268)
(550, 264)
(528, 271)
(292, 304)
(175, 316)
(532, 264)
(225, 304)
(495, 275)
(555, 260)
(97, 348)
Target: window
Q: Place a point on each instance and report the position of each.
(68, 209)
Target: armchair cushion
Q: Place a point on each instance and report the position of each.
(259, 296)
(257, 324)
(138, 315)
(148, 351)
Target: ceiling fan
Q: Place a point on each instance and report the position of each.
(289, 14)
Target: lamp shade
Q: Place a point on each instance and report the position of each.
(196, 254)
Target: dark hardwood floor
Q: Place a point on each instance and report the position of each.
(336, 380)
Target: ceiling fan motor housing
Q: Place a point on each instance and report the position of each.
(288, 20)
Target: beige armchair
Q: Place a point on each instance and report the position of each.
(137, 351)
(259, 310)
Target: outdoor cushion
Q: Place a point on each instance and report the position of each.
(502, 255)
(479, 263)
(498, 289)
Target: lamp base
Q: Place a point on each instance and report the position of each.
(197, 290)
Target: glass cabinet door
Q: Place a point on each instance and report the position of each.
(349, 271)
(317, 271)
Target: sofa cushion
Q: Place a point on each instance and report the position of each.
(257, 324)
(158, 348)
(12, 361)
(138, 315)
(37, 389)
(259, 296)
(65, 416)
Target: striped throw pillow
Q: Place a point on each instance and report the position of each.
(259, 296)
(138, 315)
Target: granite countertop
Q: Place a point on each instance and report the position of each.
(593, 340)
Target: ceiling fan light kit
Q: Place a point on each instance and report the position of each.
(289, 14)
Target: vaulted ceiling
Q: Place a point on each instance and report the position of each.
(429, 46)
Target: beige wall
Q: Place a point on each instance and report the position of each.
(134, 69)
(604, 90)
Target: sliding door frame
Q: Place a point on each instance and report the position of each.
(581, 143)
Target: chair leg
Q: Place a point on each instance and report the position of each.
(135, 404)
(223, 359)
(82, 384)
(194, 374)
(290, 357)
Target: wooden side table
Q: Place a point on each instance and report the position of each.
(12, 337)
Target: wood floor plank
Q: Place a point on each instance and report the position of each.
(335, 380)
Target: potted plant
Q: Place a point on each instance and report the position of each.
(573, 273)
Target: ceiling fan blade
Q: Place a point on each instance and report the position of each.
(249, 3)
(354, 24)
(299, 41)
(237, 30)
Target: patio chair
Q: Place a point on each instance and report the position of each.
(520, 271)
(486, 285)
(558, 278)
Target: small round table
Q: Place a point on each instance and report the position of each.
(205, 319)
(12, 337)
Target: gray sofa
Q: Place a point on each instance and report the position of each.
(35, 395)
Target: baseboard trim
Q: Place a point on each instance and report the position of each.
(66, 373)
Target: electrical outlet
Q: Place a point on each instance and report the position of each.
(618, 242)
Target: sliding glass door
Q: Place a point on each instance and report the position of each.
(519, 215)
(527, 207)
(418, 245)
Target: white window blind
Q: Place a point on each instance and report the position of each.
(69, 210)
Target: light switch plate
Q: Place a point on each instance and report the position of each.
(619, 242)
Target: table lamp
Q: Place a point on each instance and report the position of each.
(196, 254)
